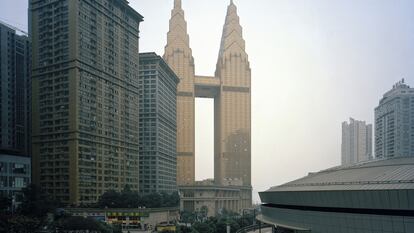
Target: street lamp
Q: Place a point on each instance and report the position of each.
(254, 215)
(13, 201)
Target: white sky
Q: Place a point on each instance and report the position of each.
(314, 64)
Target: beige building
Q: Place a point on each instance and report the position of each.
(214, 197)
(356, 142)
(85, 97)
(230, 89)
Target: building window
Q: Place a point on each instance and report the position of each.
(18, 168)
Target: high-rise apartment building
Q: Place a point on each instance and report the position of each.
(157, 125)
(14, 91)
(85, 97)
(356, 142)
(394, 120)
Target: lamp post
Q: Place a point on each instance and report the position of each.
(254, 216)
(242, 222)
(13, 203)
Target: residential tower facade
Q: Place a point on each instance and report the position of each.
(15, 91)
(356, 142)
(157, 125)
(85, 97)
(394, 117)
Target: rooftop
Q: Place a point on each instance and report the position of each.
(400, 88)
(385, 174)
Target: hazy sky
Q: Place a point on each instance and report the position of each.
(315, 63)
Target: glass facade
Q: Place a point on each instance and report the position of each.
(15, 174)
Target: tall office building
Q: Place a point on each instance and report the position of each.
(85, 97)
(14, 91)
(394, 120)
(230, 89)
(157, 125)
(356, 142)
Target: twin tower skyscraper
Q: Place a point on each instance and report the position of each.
(230, 88)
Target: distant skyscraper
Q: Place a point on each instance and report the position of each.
(14, 91)
(394, 122)
(157, 125)
(85, 97)
(356, 142)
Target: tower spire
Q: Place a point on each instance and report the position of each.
(232, 32)
(177, 4)
(177, 35)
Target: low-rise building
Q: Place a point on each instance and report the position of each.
(215, 197)
(375, 196)
(130, 218)
(15, 173)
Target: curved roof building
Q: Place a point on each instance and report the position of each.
(374, 197)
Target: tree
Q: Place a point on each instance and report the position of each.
(5, 204)
(20, 224)
(187, 217)
(35, 203)
(110, 199)
(204, 227)
(153, 200)
(132, 199)
(203, 212)
(170, 200)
